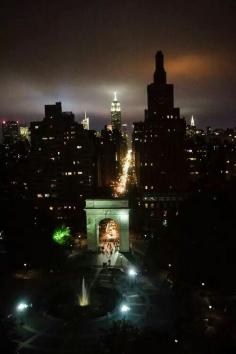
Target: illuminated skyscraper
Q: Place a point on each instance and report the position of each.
(24, 132)
(115, 113)
(191, 128)
(85, 122)
(192, 123)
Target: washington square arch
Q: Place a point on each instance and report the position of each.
(107, 222)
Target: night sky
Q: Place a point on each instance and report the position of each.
(79, 52)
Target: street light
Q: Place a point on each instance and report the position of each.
(22, 306)
(124, 308)
(132, 272)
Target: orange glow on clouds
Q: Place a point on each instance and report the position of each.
(192, 66)
(197, 65)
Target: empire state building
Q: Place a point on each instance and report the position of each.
(115, 113)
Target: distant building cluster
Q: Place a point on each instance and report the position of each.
(57, 163)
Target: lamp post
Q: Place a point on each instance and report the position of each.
(132, 275)
(124, 309)
(21, 309)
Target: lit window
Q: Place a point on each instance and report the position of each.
(79, 147)
(146, 187)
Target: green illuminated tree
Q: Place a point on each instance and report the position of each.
(61, 235)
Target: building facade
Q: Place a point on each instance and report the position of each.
(63, 157)
(159, 148)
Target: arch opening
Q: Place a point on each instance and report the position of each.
(109, 237)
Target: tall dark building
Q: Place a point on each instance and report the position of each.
(161, 95)
(10, 131)
(64, 162)
(158, 142)
(158, 145)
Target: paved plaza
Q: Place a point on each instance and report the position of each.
(150, 305)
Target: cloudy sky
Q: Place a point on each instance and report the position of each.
(79, 52)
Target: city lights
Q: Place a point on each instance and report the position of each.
(121, 185)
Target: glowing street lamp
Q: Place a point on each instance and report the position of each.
(132, 272)
(124, 308)
(21, 307)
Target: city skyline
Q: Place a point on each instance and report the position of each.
(80, 53)
(118, 177)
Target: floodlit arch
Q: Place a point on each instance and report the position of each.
(112, 214)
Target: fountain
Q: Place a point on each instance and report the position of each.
(83, 298)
